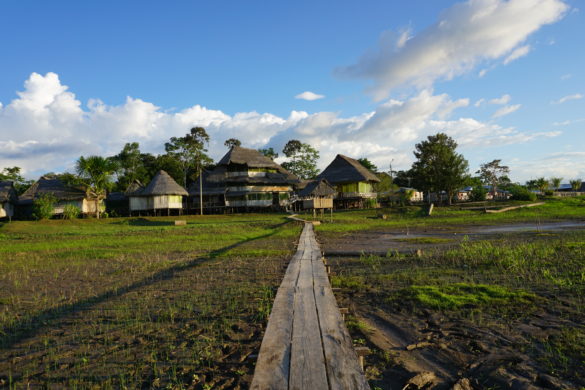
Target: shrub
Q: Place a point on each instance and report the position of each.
(370, 203)
(478, 193)
(522, 193)
(43, 206)
(549, 193)
(71, 211)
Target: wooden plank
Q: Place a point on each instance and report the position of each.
(343, 367)
(307, 364)
(273, 365)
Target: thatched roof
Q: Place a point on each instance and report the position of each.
(51, 185)
(344, 169)
(7, 192)
(317, 188)
(162, 184)
(254, 159)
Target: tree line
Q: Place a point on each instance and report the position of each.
(438, 167)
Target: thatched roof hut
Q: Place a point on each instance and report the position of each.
(63, 193)
(345, 169)
(161, 193)
(8, 199)
(317, 189)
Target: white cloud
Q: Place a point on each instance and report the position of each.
(568, 122)
(308, 95)
(506, 110)
(567, 98)
(479, 103)
(465, 35)
(505, 99)
(46, 128)
(555, 164)
(566, 76)
(517, 53)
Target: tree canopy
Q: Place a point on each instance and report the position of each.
(190, 151)
(368, 164)
(438, 166)
(230, 143)
(302, 159)
(269, 152)
(494, 174)
(95, 173)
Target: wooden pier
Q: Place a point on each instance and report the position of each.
(306, 344)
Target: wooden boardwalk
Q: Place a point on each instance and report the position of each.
(306, 344)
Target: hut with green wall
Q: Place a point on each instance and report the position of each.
(352, 181)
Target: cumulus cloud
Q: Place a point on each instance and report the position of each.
(310, 96)
(46, 128)
(567, 98)
(568, 122)
(505, 99)
(465, 35)
(506, 110)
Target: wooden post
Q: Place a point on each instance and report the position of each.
(361, 352)
(431, 207)
(344, 311)
(200, 190)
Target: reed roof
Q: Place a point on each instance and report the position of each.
(162, 184)
(345, 169)
(7, 192)
(317, 188)
(54, 186)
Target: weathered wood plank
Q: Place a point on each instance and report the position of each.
(273, 365)
(307, 364)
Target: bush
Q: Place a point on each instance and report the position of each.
(71, 211)
(522, 193)
(478, 194)
(549, 193)
(43, 207)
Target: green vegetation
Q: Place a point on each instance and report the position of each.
(457, 295)
(43, 207)
(133, 302)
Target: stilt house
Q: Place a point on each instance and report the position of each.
(317, 194)
(161, 196)
(8, 199)
(118, 203)
(64, 194)
(352, 181)
(245, 179)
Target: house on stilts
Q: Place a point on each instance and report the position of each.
(352, 181)
(244, 180)
(162, 196)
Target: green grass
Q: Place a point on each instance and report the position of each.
(134, 302)
(448, 217)
(457, 295)
(425, 240)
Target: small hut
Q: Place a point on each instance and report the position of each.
(118, 203)
(352, 181)
(317, 194)
(8, 199)
(63, 193)
(162, 193)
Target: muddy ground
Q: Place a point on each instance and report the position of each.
(536, 345)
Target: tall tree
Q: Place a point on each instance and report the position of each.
(438, 166)
(303, 159)
(269, 152)
(95, 173)
(230, 143)
(492, 173)
(368, 164)
(576, 184)
(190, 151)
(403, 178)
(555, 182)
(130, 166)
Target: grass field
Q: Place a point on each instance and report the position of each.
(504, 310)
(139, 302)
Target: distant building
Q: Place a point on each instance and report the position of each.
(63, 193)
(8, 199)
(352, 181)
(316, 194)
(160, 195)
(244, 179)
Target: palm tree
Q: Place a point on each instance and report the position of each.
(542, 184)
(575, 184)
(96, 172)
(555, 182)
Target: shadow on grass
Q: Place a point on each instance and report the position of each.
(30, 326)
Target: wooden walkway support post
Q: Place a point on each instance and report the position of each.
(306, 344)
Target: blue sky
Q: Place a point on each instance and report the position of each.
(504, 78)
